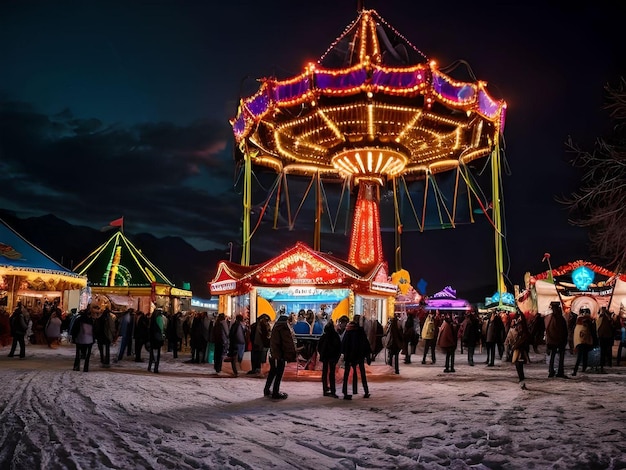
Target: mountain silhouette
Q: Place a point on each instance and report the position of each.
(69, 244)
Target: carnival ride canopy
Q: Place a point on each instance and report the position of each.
(25, 267)
(371, 89)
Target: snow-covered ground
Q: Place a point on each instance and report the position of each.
(187, 418)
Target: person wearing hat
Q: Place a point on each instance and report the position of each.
(584, 338)
(556, 339)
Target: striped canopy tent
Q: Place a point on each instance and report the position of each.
(29, 275)
(121, 272)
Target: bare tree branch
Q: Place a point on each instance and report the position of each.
(599, 204)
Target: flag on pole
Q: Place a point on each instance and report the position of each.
(117, 222)
(114, 223)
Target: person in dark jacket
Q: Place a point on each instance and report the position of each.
(220, 340)
(237, 343)
(605, 327)
(260, 333)
(494, 335)
(395, 342)
(156, 338)
(471, 335)
(196, 341)
(19, 325)
(356, 349)
(140, 333)
(410, 337)
(520, 345)
(556, 338)
(329, 349)
(105, 331)
(282, 350)
(83, 337)
(126, 333)
(447, 340)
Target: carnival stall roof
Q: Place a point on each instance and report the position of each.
(446, 299)
(299, 264)
(576, 284)
(24, 267)
(119, 268)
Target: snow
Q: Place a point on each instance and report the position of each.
(188, 418)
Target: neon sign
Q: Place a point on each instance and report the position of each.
(582, 277)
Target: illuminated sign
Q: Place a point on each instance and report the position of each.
(223, 286)
(302, 291)
(582, 277)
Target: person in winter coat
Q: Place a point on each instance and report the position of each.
(282, 350)
(520, 344)
(18, 324)
(356, 349)
(447, 340)
(220, 339)
(556, 338)
(584, 338)
(395, 342)
(494, 334)
(172, 335)
(237, 343)
(605, 327)
(260, 333)
(471, 335)
(410, 336)
(329, 349)
(429, 335)
(156, 338)
(82, 334)
(53, 328)
(196, 338)
(140, 333)
(105, 332)
(126, 333)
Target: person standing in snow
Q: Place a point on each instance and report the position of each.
(82, 334)
(282, 350)
(140, 334)
(126, 333)
(584, 338)
(448, 340)
(156, 338)
(356, 349)
(556, 339)
(520, 344)
(329, 349)
(19, 325)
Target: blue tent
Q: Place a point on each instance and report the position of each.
(24, 269)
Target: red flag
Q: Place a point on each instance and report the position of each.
(114, 223)
(117, 222)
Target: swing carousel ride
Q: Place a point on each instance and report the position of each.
(374, 115)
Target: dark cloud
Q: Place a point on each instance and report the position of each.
(80, 169)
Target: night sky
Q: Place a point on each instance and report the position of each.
(111, 109)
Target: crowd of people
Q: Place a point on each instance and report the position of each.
(346, 344)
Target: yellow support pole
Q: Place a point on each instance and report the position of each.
(317, 237)
(497, 218)
(247, 208)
